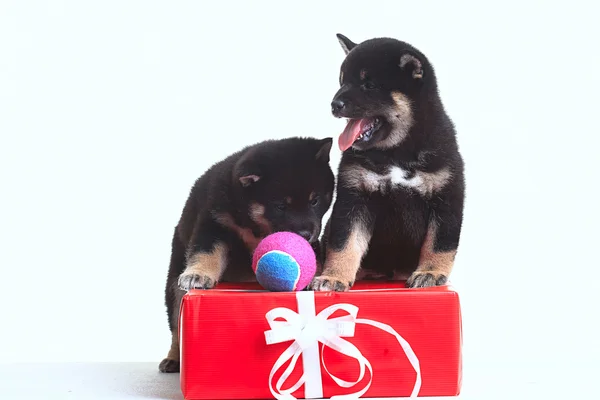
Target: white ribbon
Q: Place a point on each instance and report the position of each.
(307, 329)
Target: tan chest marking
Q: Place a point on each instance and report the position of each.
(245, 234)
(425, 183)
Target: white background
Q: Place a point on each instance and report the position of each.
(109, 110)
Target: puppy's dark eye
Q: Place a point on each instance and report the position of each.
(369, 85)
(281, 206)
(314, 202)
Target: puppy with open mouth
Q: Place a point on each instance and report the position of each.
(400, 191)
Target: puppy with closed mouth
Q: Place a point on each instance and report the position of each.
(400, 192)
(272, 186)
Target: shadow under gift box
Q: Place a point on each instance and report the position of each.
(224, 354)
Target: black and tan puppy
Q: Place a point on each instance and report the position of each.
(400, 193)
(278, 185)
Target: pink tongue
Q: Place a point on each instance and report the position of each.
(354, 128)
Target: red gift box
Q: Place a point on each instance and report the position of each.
(377, 340)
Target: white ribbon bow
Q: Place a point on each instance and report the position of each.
(307, 329)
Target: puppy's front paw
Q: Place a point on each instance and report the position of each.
(422, 279)
(191, 280)
(169, 366)
(325, 283)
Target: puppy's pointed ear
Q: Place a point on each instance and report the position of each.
(411, 63)
(346, 43)
(248, 180)
(324, 149)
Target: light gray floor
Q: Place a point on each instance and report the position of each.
(143, 381)
(87, 381)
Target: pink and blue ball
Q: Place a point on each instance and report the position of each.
(284, 262)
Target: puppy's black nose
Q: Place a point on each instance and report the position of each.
(305, 234)
(337, 106)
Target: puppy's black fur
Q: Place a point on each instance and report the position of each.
(277, 185)
(399, 206)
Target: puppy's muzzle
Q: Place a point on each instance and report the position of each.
(310, 234)
(306, 234)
